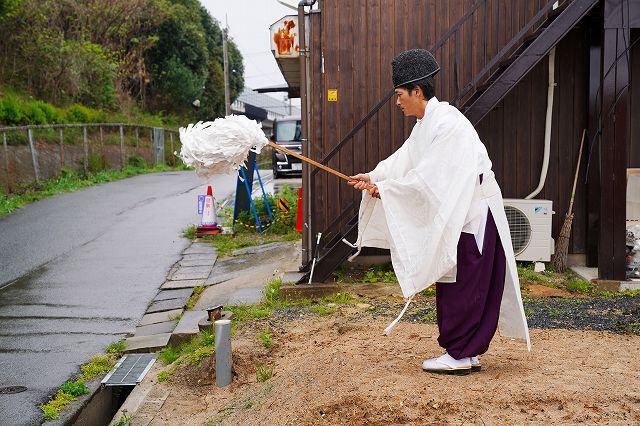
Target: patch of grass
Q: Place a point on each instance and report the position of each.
(194, 351)
(554, 314)
(578, 285)
(68, 181)
(74, 388)
(380, 277)
(163, 376)
(527, 274)
(195, 296)
(168, 355)
(116, 348)
(429, 292)
(271, 292)
(266, 338)
(71, 389)
(249, 312)
(124, 419)
(247, 404)
(190, 232)
(225, 244)
(99, 365)
(528, 312)
(201, 353)
(51, 410)
(263, 373)
(427, 315)
(322, 310)
(339, 298)
(629, 327)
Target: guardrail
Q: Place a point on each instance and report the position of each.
(107, 142)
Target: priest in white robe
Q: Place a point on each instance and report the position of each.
(435, 204)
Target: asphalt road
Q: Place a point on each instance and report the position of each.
(77, 272)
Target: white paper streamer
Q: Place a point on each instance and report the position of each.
(221, 146)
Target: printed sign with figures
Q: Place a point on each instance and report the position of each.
(284, 37)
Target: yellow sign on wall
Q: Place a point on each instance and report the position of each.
(332, 95)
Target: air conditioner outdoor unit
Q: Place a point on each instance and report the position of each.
(530, 226)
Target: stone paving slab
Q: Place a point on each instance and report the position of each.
(187, 327)
(191, 273)
(159, 317)
(245, 296)
(168, 285)
(158, 328)
(292, 276)
(199, 261)
(167, 305)
(199, 256)
(259, 249)
(173, 294)
(200, 249)
(147, 343)
(220, 278)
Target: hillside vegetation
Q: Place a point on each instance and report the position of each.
(91, 60)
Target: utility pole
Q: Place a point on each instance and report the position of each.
(225, 53)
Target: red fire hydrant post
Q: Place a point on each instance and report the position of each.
(299, 214)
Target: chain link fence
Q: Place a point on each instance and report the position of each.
(34, 153)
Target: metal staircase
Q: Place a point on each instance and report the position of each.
(476, 99)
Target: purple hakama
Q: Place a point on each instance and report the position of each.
(468, 309)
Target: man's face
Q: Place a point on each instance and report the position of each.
(411, 103)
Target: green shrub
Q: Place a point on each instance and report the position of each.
(136, 161)
(283, 223)
(32, 114)
(98, 163)
(579, 285)
(10, 111)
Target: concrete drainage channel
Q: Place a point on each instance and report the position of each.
(165, 322)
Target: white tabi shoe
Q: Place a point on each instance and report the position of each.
(475, 364)
(446, 364)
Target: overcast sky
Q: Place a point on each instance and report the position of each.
(249, 22)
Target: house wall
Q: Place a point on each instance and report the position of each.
(352, 45)
(514, 135)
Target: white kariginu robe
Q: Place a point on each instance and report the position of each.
(430, 193)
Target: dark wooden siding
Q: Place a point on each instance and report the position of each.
(634, 141)
(515, 130)
(356, 41)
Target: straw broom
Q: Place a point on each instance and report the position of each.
(562, 245)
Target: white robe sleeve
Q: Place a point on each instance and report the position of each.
(425, 208)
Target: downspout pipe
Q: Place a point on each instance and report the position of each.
(547, 125)
(306, 120)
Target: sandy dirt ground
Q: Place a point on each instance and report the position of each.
(341, 370)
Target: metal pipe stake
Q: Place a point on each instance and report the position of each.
(223, 353)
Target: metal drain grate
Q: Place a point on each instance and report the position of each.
(7, 390)
(130, 370)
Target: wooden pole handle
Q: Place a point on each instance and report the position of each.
(310, 161)
(575, 178)
(315, 163)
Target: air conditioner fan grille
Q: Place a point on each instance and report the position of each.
(519, 227)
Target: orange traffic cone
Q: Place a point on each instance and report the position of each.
(299, 214)
(209, 222)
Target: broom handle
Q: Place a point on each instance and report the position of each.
(575, 178)
(310, 161)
